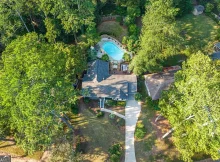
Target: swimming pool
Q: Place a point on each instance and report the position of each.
(113, 50)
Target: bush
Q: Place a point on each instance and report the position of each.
(114, 158)
(115, 152)
(138, 96)
(120, 20)
(86, 100)
(152, 104)
(121, 122)
(105, 57)
(111, 103)
(140, 130)
(100, 114)
(74, 109)
(209, 7)
(112, 116)
(127, 57)
(121, 103)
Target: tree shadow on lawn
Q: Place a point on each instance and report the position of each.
(197, 33)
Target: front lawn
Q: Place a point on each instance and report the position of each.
(199, 32)
(99, 134)
(151, 147)
(113, 28)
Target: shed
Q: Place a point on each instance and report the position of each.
(198, 10)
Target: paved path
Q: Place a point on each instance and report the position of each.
(132, 112)
(113, 112)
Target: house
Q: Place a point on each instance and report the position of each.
(101, 84)
(198, 10)
(157, 82)
(217, 47)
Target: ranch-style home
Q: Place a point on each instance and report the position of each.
(100, 84)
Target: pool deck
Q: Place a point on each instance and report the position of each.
(106, 38)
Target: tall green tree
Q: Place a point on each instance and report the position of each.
(185, 7)
(36, 89)
(192, 106)
(159, 38)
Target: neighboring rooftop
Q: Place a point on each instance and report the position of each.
(101, 84)
(156, 83)
(215, 56)
(199, 8)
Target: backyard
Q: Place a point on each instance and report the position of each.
(113, 28)
(199, 32)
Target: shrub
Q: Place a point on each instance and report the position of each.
(120, 20)
(74, 108)
(133, 29)
(114, 158)
(140, 130)
(99, 114)
(152, 104)
(209, 7)
(115, 152)
(111, 103)
(112, 116)
(121, 103)
(105, 57)
(121, 122)
(138, 96)
(127, 57)
(86, 100)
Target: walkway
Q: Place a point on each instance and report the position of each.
(113, 112)
(132, 112)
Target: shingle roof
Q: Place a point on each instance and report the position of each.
(98, 71)
(157, 82)
(199, 8)
(216, 56)
(112, 86)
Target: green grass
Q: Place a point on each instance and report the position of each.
(145, 147)
(112, 28)
(200, 32)
(99, 133)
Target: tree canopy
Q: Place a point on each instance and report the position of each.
(36, 88)
(192, 107)
(159, 37)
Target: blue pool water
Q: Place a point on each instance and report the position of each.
(113, 50)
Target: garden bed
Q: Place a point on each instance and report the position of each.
(117, 106)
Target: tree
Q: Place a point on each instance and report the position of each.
(185, 7)
(209, 7)
(159, 38)
(105, 57)
(192, 107)
(36, 89)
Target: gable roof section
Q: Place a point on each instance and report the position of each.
(98, 71)
(215, 56)
(156, 83)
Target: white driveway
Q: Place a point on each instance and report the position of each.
(132, 112)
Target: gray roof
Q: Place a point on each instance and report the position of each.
(158, 82)
(199, 8)
(216, 56)
(98, 71)
(217, 45)
(112, 86)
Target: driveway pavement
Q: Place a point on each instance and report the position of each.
(132, 112)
